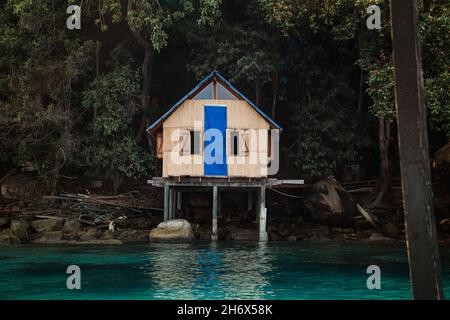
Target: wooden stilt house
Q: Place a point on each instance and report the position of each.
(214, 137)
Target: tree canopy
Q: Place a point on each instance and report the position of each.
(79, 100)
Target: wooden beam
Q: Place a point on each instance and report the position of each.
(214, 215)
(423, 252)
(166, 202)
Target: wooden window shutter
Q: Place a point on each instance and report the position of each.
(245, 149)
(185, 143)
(159, 145)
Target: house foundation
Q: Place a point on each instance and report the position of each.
(174, 186)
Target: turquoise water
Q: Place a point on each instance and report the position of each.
(208, 271)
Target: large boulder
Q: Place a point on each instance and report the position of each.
(20, 229)
(178, 229)
(328, 203)
(48, 225)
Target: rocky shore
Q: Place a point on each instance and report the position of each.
(19, 230)
(327, 213)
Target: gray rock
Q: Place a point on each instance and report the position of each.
(133, 235)
(47, 225)
(329, 203)
(319, 233)
(49, 237)
(72, 226)
(4, 222)
(178, 229)
(107, 235)
(20, 229)
(89, 234)
(7, 238)
(240, 234)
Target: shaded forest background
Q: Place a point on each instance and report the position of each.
(77, 102)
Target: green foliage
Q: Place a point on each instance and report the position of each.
(110, 147)
(39, 68)
(316, 50)
(241, 47)
(325, 144)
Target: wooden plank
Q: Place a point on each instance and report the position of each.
(214, 215)
(240, 115)
(423, 253)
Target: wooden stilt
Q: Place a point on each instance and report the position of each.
(219, 203)
(214, 215)
(174, 204)
(258, 205)
(166, 202)
(171, 195)
(262, 215)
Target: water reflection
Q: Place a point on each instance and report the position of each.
(210, 271)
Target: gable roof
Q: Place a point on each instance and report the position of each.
(205, 81)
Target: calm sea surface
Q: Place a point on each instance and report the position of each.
(208, 271)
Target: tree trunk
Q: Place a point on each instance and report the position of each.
(383, 185)
(146, 69)
(144, 41)
(274, 93)
(116, 181)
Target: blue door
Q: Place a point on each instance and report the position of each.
(215, 158)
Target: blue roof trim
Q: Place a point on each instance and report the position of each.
(206, 79)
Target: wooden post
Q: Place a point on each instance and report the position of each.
(214, 215)
(171, 195)
(423, 252)
(174, 204)
(262, 215)
(179, 199)
(166, 202)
